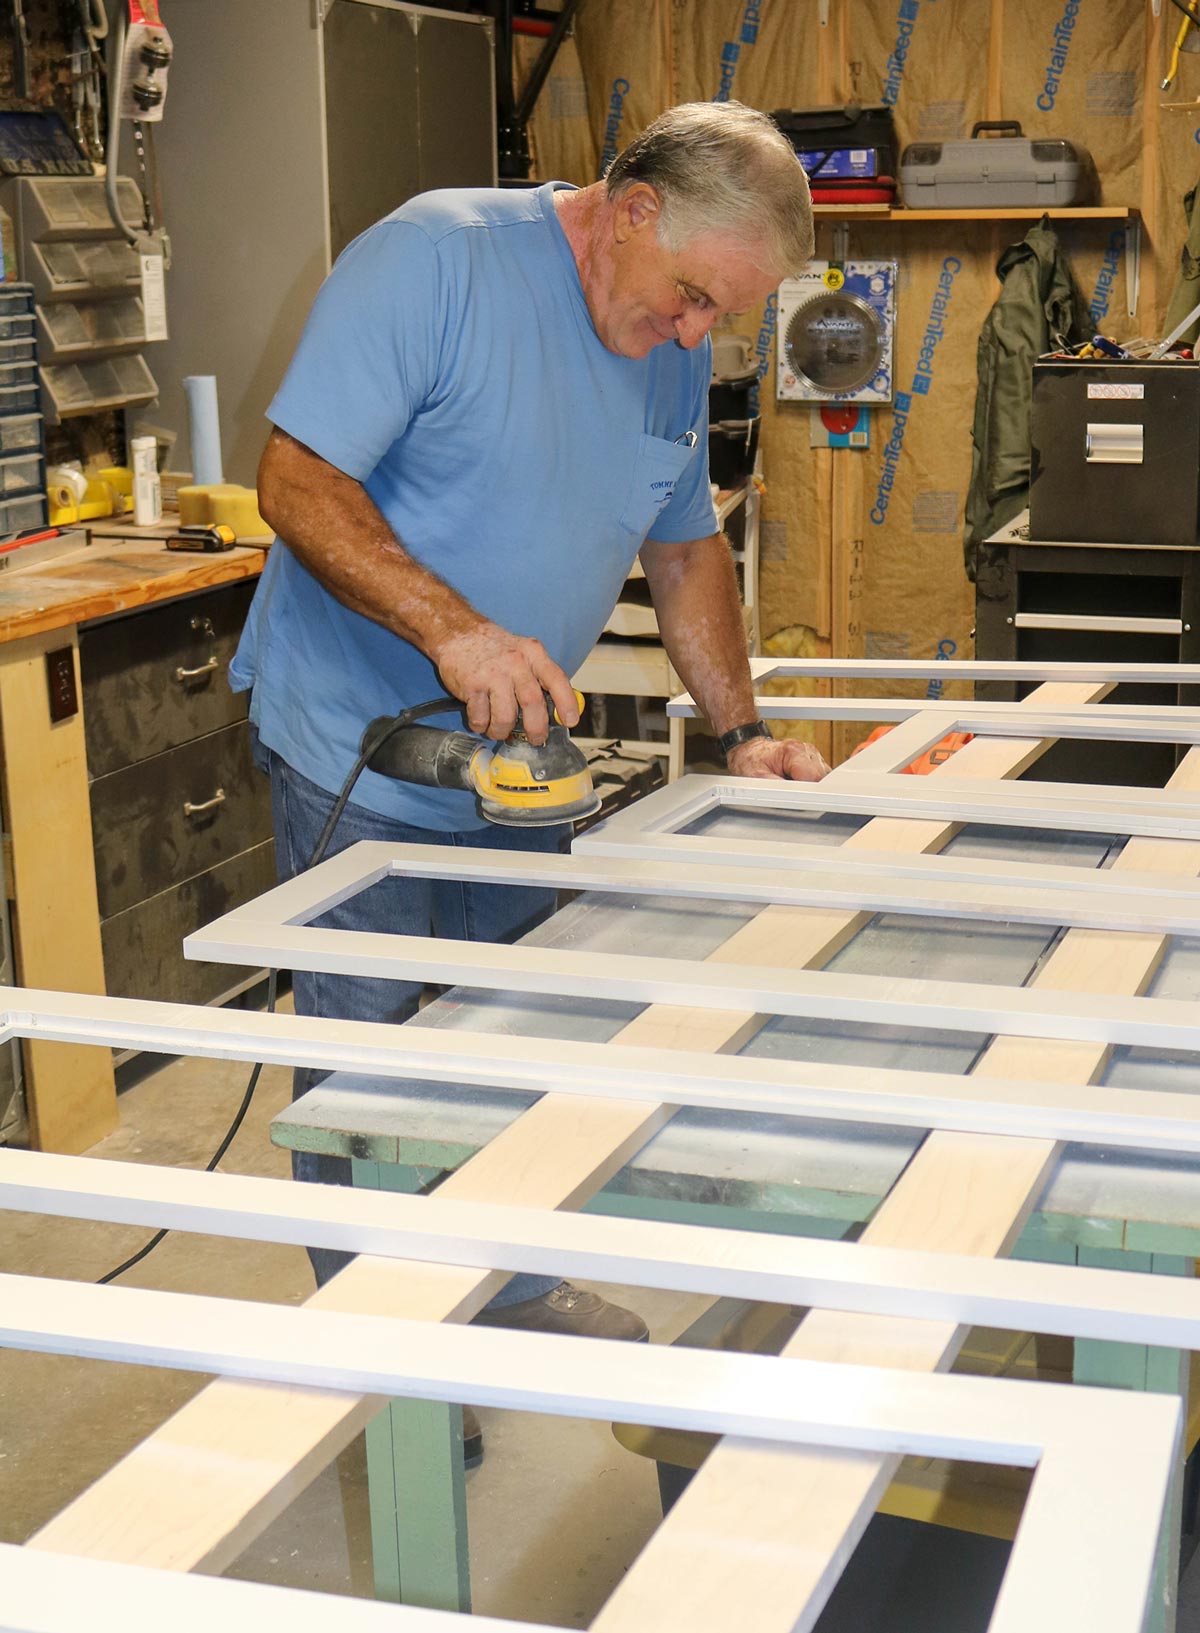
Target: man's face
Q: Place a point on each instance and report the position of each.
(652, 295)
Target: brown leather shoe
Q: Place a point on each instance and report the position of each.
(567, 1309)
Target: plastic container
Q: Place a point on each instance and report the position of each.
(19, 433)
(18, 374)
(22, 515)
(17, 327)
(18, 399)
(147, 492)
(15, 299)
(22, 473)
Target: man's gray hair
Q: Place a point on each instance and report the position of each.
(722, 167)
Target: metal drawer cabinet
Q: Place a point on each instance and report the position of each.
(142, 956)
(160, 677)
(164, 820)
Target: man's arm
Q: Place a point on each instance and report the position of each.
(695, 594)
(332, 526)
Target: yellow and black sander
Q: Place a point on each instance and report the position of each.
(516, 783)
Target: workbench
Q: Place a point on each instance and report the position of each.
(1098, 1207)
(52, 867)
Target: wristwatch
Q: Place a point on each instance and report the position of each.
(729, 740)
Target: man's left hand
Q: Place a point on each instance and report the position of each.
(777, 757)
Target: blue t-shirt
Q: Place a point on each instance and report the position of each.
(450, 365)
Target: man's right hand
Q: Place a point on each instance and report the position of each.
(496, 673)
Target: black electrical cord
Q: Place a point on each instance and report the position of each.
(419, 711)
(231, 1132)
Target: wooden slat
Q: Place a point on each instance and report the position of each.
(198, 1490)
(788, 1521)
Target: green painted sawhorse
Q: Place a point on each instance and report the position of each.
(414, 1448)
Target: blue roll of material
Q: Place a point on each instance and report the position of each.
(205, 422)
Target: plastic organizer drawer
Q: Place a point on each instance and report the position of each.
(19, 432)
(23, 473)
(21, 350)
(22, 515)
(17, 327)
(15, 299)
(18, 399)
(18, 374)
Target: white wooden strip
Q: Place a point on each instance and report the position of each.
(62, 1593)
(1107, 720)
(1019, 1295)
(1073, 807)
(844, 884)
(764, 1397)
(1017, 670)
(1155, 1023)
(1089, 1114)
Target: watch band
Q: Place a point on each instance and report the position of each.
(729, 740)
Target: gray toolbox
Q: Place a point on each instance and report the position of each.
(996, 172)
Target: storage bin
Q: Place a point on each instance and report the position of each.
(13, 375)
(22, 515)
(17, 327)
(21, 399)
(23, 473)
(15, 299)
(19, 432)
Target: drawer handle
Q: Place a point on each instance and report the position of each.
(218, 798)
(205, 668)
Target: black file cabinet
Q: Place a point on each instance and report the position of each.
(1060, 603)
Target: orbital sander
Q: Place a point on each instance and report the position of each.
(516, 783)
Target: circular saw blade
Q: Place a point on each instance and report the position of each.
(835, 342)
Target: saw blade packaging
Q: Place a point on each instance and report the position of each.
(836, 329)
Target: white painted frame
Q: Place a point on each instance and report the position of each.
(1085, 1555)
(763, 670)
(266, 931)
(1088, 1114)
(1119, 722)
(1018, 1295)
(1164, 905)
(1162, 813)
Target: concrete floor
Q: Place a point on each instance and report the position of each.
(557, 1511)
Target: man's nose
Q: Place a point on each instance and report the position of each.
(691, 328)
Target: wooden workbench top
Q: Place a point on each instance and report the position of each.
(110, 575)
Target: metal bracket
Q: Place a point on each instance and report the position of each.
(841, 242)
(1133, 263)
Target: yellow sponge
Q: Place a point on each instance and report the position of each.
(224, 503)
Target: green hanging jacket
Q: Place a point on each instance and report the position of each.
(1038, 302)
(1185, 296)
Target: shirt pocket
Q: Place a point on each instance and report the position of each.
(656, 469)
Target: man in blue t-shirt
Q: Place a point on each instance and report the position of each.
(499, 400)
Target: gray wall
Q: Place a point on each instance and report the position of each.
(248, 166)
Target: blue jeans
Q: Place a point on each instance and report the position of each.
(414, 907)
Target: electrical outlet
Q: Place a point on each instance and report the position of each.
(60, 679)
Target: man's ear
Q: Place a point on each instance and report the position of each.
(637, 210)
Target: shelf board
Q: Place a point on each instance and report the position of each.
(1078, 212)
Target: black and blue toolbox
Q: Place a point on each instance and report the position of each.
(848, 153)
